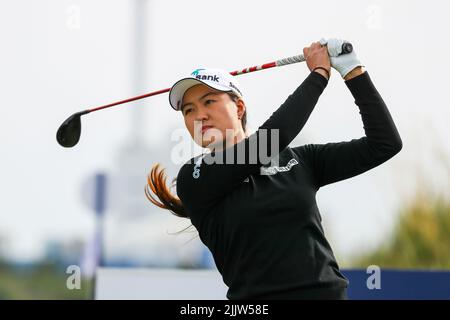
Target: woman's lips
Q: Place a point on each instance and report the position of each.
(204, 128)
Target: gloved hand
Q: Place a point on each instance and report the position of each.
(342, 63)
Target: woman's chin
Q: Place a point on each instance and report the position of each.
(211, 144)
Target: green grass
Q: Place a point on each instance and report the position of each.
(40, 283)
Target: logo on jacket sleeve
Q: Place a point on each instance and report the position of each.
(275, 169)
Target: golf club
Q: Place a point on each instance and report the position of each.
(69, 132)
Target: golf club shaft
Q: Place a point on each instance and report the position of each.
(278, 63)
(154, 93)
(268, 65)
(68, 133)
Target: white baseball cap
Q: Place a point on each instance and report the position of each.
(215, 78)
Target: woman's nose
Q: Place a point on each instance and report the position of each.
(202, 114)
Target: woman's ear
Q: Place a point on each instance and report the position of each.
(240, 104)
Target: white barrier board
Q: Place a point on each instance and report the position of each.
(159, 284)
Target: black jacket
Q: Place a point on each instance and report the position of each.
(261, 222)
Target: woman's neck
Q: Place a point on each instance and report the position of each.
(241, 135)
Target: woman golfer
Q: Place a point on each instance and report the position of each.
(259, 220)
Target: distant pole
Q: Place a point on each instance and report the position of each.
(100, 204)
(99, 208)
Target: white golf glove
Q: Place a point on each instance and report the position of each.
(342, 63)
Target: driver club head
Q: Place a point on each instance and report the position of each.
(69, 132)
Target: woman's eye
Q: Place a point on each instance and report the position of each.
(186, 111)
(209, 101)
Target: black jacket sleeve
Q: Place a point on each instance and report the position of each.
(214, 180)
(337, 161)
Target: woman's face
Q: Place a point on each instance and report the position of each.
(212, 117)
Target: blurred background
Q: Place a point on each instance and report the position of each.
(85, 206)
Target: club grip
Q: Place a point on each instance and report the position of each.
(347, 47)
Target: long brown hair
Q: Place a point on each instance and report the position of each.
(157, 181)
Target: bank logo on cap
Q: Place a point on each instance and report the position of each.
(196, 71)
(209, 77)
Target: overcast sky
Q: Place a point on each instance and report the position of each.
(59, 57)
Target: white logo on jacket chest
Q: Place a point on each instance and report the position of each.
(275, 169)
(196, 172)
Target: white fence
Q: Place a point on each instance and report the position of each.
(159, 284)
